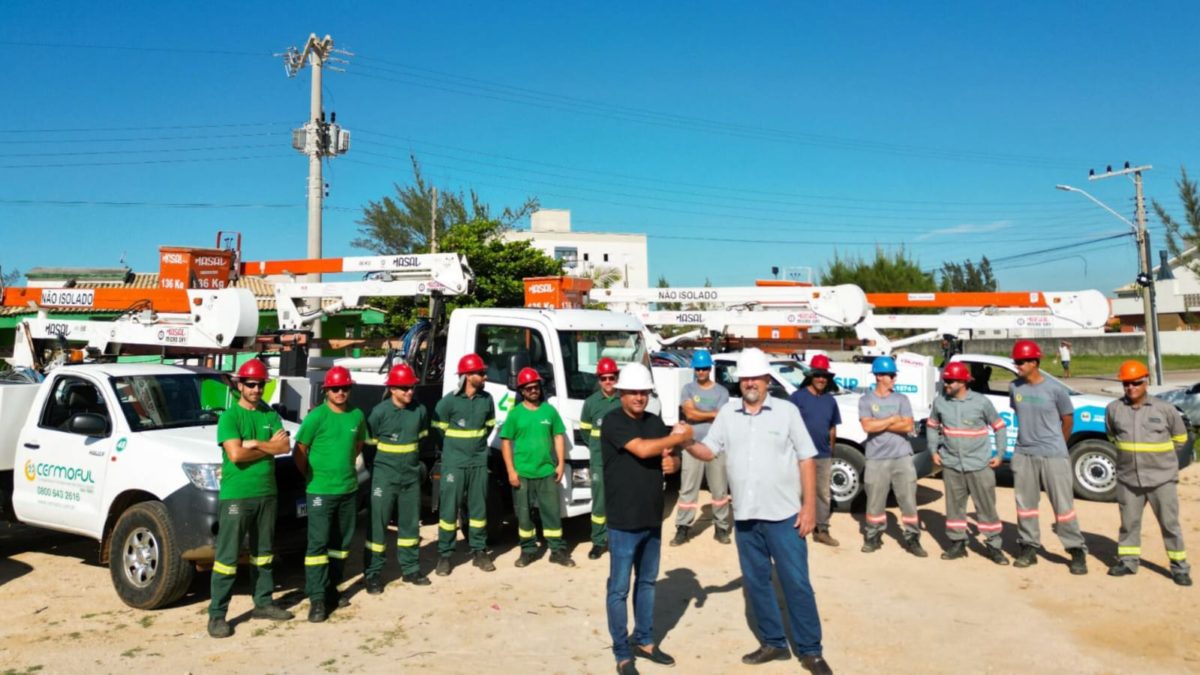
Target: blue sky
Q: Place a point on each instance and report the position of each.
(737, 136)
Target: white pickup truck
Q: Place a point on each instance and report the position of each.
(126, 455)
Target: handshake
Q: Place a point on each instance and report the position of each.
(670, 461)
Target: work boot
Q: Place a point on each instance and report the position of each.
(721, 535)
(627, 668)
(374, 585)
(912, 544)
(219, 628)
(1181, 578)
(561, 558)
(443, 566)
(335, 598)
(1078, 564)
(957, 550)
(1120, 569)
(872, 543)
(823, 537)
(996, 555)
(416, 579)
(765, 654)
(1027, 557)
(272, 611)
(816, 665)
(316, 611)
(597, 551)
(483, 562)
(681, 536)
(525, 559)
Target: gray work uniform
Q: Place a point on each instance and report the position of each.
(889, 466)
(1147, 438)
(959, 430)
(708, 399)
(1041, 459)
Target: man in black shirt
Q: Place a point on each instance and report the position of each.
(636, 447)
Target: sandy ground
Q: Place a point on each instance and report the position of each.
(887, 611)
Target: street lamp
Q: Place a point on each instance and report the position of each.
(1144, 279)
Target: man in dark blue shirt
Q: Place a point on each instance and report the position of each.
(820, 412)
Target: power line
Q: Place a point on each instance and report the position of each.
(138, 151)
(133, 139)
(64, 165)
(131, 48)
(151, 128)
(166, 205)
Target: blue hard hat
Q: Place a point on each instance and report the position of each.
(883, 365)
(701, 359)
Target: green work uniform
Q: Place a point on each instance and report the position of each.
(333, 440)
(396, 483)
(594, 409)
(532, 433)
(463, 424)
(247, 507)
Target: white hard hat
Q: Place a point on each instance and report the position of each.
(635, 377)
(753, 363)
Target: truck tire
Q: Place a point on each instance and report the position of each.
(846, 486)
(147, 571)
(1094, 470)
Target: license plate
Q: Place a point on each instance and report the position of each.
(301, 508)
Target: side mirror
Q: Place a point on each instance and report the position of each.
(88, 424)
(515, 363)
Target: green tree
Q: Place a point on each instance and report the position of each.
(9, 278)
(887, 272)
(967, 276)
(1182, 235)
(400, 223)
(604, 276)
(500, 269)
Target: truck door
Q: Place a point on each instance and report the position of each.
(62, 458)
(496, 343)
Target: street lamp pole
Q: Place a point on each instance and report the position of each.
(1144, 278)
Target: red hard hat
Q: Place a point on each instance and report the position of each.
(338, 377)
(819, 362)
(252, 370)
(956, 370)
(527, 376)
(606, 366)
(401, 375)
(1026, 349)
(470, 363)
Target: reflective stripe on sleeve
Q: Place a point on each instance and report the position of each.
(998, 424)
(585, 426)
(599, 520)
(466, 433)
(1182, 438)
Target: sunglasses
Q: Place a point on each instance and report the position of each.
(608, 378)
(1136, 383)
(338, 390)
(1021, 362)
(254, 385)
(402, 388)
(891, 375)
(531, 387)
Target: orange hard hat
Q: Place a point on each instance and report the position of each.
(1132, 370)
(337, 377)
(956, 370)
(606, 366)
(1026, 349)
(470, 363)
(401, 375)
(527, 376)
(253, 369)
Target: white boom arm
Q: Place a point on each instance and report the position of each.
(1063, 311)
(388, 276)
(844, 305)
(220, 319)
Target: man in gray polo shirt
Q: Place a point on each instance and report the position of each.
(769, 454)
(1044, 418)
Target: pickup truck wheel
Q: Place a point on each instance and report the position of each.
(846, 477)
(147, 571)
(1094, 470)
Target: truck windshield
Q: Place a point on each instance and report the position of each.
(582, 349)
(790, 371)
(152, 402)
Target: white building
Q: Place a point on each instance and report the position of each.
(1175, 297)
(587, 253)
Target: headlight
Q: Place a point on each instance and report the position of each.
(204, 476)
(581, 477)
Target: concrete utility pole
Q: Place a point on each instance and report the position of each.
(317, 138)
(1145, 278)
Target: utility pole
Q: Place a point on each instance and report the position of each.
(317, 139)
(433, 223)
(1145, 278)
